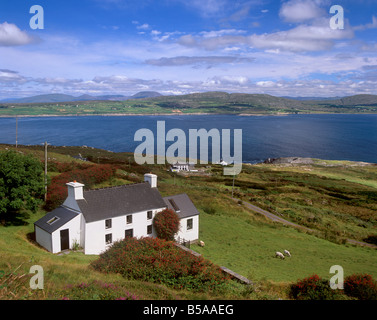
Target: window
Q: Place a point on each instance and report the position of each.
(174, 205)
(54, 219)
(129, 219)
(189, 224)
(108, 223)
(108, 238)
(149, 215)
(149, 229)
(129, 233)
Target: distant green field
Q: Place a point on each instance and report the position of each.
(249, 249)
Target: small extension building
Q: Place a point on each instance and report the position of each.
(94, 219)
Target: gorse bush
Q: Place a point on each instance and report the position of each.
(61, 167)
(361, 286)
(313, 288)
(89, 175)
(159, 261)
(166, 224)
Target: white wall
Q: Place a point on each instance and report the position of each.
(192, 234)
(74, 226)
(43, 238)
(95, 231)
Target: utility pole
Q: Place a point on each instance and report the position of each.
(46, 144)
(16, 130)
(233, 183)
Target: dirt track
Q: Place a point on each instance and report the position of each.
(276, 218)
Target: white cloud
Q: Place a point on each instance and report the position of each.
(11, 35)
(144, 26)
(301, 10)
(10, 76)
(266, 84)
(198, 61)
(302, 38)
(220, 33)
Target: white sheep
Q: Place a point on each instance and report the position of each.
(279, 254)
(287, 253)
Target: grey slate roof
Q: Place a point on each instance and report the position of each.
(100, 204)
(184, 206)
(63, 214)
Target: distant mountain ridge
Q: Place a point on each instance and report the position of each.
(57, 97)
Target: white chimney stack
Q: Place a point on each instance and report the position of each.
(151, 178)
(75, 190)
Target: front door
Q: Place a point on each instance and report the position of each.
(64, 239)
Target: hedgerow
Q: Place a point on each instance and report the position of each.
(160, 261)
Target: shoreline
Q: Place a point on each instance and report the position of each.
(175, 114)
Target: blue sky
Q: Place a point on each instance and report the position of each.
(283, 48)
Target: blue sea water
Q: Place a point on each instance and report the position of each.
(324, 136)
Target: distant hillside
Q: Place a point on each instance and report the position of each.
(146, 94)
(239, 100)
(56, 97)
(150, 102)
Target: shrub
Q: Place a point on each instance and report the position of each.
(313, 288)
(89, 175)
(159, 261)
(96, 290)
(371, 239)
(166, 224)
(360, 286)
(21, 184)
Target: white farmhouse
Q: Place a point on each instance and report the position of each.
(183, 166)
(94, 219)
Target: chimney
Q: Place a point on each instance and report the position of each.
(152, 179)
(75, 190)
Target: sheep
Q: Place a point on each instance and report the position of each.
(279, 254)
(287, 253)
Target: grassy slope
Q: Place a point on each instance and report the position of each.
(249, 249)
(235, 237)
(208, 102)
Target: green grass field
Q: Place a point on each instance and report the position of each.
(249, 249)
(335, 201)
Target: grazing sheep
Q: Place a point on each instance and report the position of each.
(279, 254)
(287, 253)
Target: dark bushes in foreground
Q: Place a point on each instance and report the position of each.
(159, 261)
(359, 286)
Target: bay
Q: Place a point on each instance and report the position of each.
(324, 136)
